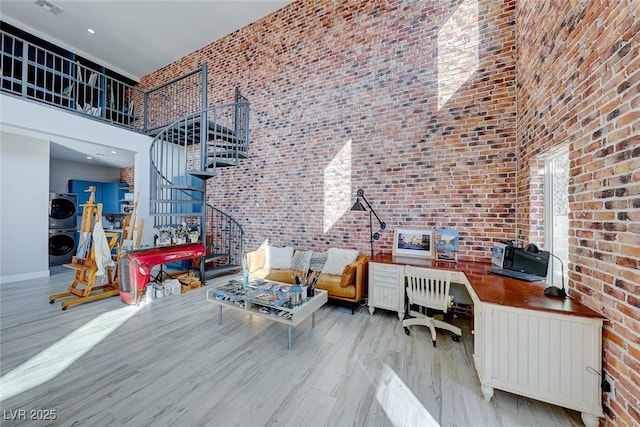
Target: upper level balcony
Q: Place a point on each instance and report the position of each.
(38, 71)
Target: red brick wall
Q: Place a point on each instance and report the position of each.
(348, 95)
(127, 176)
(578, 80)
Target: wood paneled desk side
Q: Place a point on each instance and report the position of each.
(525, 342)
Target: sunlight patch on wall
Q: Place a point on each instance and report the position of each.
(401, 406)
(458, 41)
(337, 187)
(51, 361)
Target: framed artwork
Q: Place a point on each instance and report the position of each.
(413, 242)
(447, 244)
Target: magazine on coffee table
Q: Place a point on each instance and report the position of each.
(273, 298)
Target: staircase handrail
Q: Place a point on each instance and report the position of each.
(223, 213)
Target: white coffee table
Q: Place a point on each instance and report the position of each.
(238, 297)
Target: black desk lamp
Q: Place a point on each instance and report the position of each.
(357, 206)
(552, 291)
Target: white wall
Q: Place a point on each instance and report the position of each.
(41, 124)
(24, 202)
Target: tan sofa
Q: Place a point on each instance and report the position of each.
(349, 287)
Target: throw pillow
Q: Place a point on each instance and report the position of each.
(256, 260)
(338, 259)
(301, 261)
(317, 261)
(278, 257)
(348, 275)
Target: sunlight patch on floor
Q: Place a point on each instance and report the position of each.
(401, 406)
(51, 361)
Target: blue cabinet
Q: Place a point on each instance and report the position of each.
(112, 196)
(109, 194)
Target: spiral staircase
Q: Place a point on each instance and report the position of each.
(184, 156)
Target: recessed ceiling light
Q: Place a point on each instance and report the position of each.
(91, 30)
(100, 154)
(114, 152)
(89, 158)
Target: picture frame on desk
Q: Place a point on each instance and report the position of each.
(413, 242)
(447, 245)
(497, 254)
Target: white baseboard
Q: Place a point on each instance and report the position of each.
(25, 276)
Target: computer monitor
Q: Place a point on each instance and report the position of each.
(531, 263)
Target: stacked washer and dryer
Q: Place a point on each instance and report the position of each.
(63, 223)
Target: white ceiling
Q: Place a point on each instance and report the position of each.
(133, 38)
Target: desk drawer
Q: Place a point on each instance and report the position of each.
(386, 268)
(387, 274)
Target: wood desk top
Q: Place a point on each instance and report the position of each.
(495, 289)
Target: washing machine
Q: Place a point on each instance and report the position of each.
(63, 211)
(62, 246)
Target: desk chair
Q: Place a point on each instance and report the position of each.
(429, 289)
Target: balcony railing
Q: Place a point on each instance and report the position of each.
(35, 73)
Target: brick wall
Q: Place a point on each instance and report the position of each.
(127, 176)
(412, 101)
(578, 79)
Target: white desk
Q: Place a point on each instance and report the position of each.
(526, 343)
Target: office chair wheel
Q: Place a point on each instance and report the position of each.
(407, 331)
(456, 338)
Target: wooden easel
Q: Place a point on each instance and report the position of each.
(82, 288)
(129, 227)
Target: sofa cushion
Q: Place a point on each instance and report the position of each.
(278, 257)
(338, 259)
(349, 274)
(256, 260)
(281, 275)
(331, 284)
(301, 260)
(317, 261)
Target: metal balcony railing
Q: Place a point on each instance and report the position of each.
(66, 81)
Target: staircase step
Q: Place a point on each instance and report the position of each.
(203, 175)
(229, 145)
(178, 201)
(221, 163)
(226, 154)
(215, 257)
(222, 271)
(176, 214)
(182, 187)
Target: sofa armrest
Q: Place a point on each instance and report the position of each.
(361, 275)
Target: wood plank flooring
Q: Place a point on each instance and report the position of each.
(168, 363)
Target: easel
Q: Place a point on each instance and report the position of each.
(82, 288)
(129, 227)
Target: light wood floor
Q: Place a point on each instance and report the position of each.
(168, 363)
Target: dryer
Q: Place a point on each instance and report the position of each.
(63, 211)
(62, 246)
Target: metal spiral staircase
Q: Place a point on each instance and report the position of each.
(184, 156)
